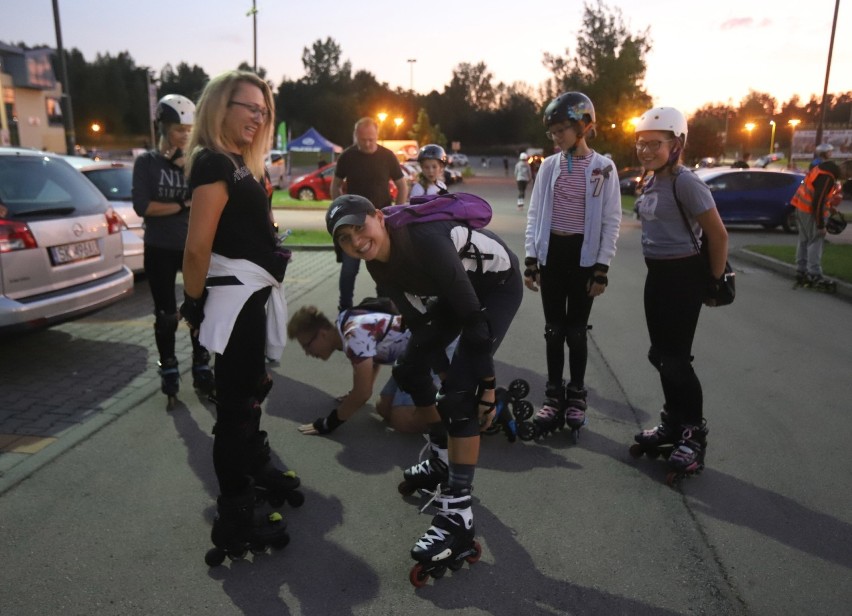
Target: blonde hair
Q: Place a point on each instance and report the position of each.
(307, 320)
(210, 118)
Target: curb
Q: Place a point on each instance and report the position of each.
(788, 270)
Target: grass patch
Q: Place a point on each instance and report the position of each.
(301, 237)
(281, 199)
(627, 202)
(836, 258)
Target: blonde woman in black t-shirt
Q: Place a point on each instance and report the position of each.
(233, 271)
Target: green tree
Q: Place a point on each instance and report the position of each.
(609, 67)
(322, 63)
(188, 81)
(423, 131)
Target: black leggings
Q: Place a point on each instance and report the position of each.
(161, 268)
(239, 372)
(674, 289)
(567, 305)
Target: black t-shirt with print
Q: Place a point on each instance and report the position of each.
(245, 230)
(368, 174)
(155, 178)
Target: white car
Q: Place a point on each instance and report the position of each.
(115, 181)
(60, 243)
(459, 160)
(276, 166)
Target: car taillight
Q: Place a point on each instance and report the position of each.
(15, 236)
(114, 222)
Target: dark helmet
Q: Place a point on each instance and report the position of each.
(835, 223)
(175, 109)
(574, 106)
(432, 151)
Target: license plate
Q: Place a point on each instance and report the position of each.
(68, 253)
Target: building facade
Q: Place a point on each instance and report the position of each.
(30, 96)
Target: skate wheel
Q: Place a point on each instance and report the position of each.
(526, 431)
(474, 558)
(295, 499)
(418, 576)
(672, 479)
(257, 549)
(523, 410)
(405, 488)
(519, 388)
(575, 435)
(237, 554)
(214, 557)
(276, 500)
(636, 451)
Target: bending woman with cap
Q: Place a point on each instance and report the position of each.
(473, 298)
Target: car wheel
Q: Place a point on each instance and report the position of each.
(307, 194)
(790, 224)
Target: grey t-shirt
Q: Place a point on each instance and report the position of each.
(664, 234)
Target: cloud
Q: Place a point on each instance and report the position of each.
(745, 22)
(738, 22)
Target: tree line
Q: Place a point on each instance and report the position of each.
(607, 62)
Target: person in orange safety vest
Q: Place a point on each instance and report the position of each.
(818, 194)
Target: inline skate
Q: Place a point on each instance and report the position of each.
(551, 416)
(512, 411)
(271, 484)
(687, 457)
(657, 441)
(169, 380)
(202, 374)
(575, 410)
(428, 475)
(815, 283)
(449, 541)
(238, 528)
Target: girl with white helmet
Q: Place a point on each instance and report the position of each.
(432, 159)
(572, 228)
(162, 196)
(676, 284)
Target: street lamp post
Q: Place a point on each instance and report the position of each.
(411, 62)
(793, 124)
(772, 138)
(749, 126)
(382, 116)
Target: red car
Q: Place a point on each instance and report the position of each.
(316, 186)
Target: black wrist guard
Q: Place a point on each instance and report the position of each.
(327, 425)
(531, 265)
(192, 309)
(600, 279)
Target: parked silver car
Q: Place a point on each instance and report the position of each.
(60, 243)
(115, 181)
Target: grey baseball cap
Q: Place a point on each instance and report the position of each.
(347, 210)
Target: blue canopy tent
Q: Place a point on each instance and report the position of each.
(312, 141)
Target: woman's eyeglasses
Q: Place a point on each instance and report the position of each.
(253, 109)
(651, 146)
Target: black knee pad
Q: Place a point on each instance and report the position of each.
(416, 381)
(458, 411)
(241, 419)
(575, 337)
(165, 323)
(676, 368)
(553, 333)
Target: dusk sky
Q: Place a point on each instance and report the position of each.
(703, 52)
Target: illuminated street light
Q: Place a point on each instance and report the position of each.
(398, 122)
(772, 138)
(749, 126)
(382, 117)
(793, 124)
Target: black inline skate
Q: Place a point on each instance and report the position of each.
(657, 441)
(815, 283)
(271, 484)
(575, 410)
(551, 416)
(512, 411)
(202, 374)
(428, 475)
(687, 458)
(238, 528)
(449, 541)
(169, 380)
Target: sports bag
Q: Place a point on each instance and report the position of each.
(723, 291)
(469, 209)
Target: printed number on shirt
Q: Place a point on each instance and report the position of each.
(598, 181)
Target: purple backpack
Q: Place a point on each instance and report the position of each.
(462, 207)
